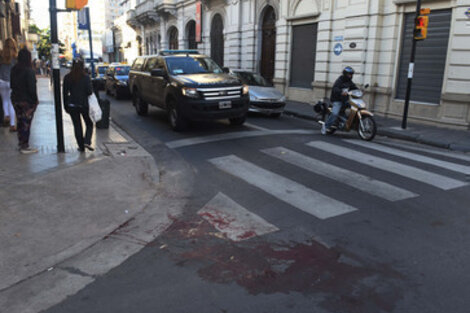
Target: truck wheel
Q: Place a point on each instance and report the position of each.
(236, 121)
(141, 107)
(177, 122)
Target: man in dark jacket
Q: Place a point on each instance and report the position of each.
(339, 96)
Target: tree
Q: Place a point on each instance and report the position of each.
(34, 29)
(44, 45)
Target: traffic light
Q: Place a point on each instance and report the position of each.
(75, 4)
(421, 25)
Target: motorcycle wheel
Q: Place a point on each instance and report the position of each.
(367, 128)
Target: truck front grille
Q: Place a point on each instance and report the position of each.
(221, 93)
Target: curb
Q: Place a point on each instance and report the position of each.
(384, 131)
(53, 285)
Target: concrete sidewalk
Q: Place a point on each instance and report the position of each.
(55, 206)
(452, 139)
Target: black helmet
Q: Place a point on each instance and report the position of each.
(348, 70)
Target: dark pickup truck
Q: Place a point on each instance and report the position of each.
(189, 86)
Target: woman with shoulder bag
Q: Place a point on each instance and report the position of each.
(76, 90)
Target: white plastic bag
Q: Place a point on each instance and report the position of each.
(94, 108)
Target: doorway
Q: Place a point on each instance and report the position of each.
(268, 44)
(217, 40)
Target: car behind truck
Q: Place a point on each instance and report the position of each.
(189, 86)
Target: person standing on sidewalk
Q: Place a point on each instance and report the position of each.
(7, 60)
(76, 90)
(24, 97)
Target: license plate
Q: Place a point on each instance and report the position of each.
(225, 104)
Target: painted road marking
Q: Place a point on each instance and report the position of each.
(255, 126)
(235, 135)
(414, 173)
(355, 180)
(284, 189)
(233, 220)
(413, 156)
(454, 155)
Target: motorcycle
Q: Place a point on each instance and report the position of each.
(353, 116)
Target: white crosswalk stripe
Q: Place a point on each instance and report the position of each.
(180, 143)
(413, 156)
(449, 154)
(355, 180)
(283, 188)
(233, 220)
(439, 181)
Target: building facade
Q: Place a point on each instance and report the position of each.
(303, 45)
(14, 22)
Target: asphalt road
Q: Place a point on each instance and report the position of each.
(282, 219)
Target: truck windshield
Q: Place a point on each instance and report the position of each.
(192, 65)
(123, 70)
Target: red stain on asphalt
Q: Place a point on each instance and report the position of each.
(267, 268)
(218, 219)
(247, 235)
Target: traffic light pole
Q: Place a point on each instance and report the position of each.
(410, 70)
(90, 38)
(56, 78)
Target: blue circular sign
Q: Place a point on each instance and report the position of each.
(338, 49)
(467, 13)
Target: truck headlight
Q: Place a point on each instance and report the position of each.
(190, 92)
(245, 89)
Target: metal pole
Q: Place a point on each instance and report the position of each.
(90, 38)
(410, 70)
(56, 79)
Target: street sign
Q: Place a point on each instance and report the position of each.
(338, 49)
(55, 56)
(82, 19)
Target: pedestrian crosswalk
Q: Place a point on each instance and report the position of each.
(413, 156)
(411, 167)
(411, 172)
(355, 180)
(285, 189)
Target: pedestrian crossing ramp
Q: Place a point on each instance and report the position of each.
(390, 160)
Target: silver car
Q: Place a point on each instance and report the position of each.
(264, 98)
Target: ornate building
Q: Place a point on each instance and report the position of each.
(302, 46)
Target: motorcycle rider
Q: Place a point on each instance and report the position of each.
(339, 98)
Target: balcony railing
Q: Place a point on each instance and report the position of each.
(145, 6)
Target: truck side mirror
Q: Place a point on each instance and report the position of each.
(366, 86)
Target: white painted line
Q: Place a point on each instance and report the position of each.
(284, 189)
(344, 176)
(250, 125)
(414, 173)
(413, 156)
(233, 220)
(235, 135)
(454, 155)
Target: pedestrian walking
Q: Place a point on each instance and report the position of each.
(24, 97)
(7, 61)
(76, 90)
